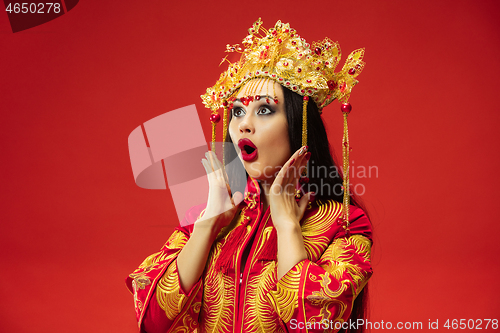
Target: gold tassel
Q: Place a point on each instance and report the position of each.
(346, 108)
(304, 121)
(304, 127)
(224, 134)
(213, 136)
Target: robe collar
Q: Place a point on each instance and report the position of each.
(252, 193)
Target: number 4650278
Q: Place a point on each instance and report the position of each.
(34, 8)
(471, 324)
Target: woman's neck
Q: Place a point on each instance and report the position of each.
(265, 190)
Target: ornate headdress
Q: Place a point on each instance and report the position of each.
(281, 55)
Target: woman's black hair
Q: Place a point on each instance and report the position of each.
(325, 177)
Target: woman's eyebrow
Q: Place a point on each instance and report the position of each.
(261, 96)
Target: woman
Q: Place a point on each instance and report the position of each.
(275, 258)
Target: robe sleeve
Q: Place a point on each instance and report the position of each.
(318, 296)
(161, 304)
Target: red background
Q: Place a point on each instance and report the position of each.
(74, 224)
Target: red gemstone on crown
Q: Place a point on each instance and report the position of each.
(299, 70)
(331, 85)
(257, 97)
(352, 71)
(306, 98)
(346, 107)
(215, 117)
(317, 51)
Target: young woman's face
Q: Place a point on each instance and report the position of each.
(259, 130)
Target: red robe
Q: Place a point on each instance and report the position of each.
(317, 293)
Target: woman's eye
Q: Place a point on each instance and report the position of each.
(265, 110)
(238, 112)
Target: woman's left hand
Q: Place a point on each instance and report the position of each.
(286, 212)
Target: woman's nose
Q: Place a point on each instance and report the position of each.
(246, 125)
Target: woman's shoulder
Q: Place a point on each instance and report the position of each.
(327, 214)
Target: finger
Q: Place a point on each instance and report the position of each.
(221, 168)
(303, 203)
(293, 172)
(301, 170)
(294, 168)
(237, 197)
(217, 167)
(208, 156)
(208, 170)
(221, 174)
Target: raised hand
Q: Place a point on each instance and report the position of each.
(221, 205)
(285, 210)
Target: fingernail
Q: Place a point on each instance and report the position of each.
(302, 151)
(308, 156)
(293, 161)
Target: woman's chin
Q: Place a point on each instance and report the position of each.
(258, 171)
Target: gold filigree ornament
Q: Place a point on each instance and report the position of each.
(281, 55)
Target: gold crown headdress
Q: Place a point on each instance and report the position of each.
(281, 55)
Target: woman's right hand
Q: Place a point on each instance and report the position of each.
(221, 206)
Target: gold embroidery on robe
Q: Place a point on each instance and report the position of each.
(286, 296)
(167, 293)
(218, 296)
(315, 226)
(339, 256)
(326, 297)
(137, 301)
(175, 242)
(260, 316)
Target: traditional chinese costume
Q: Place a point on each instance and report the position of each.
(239, 290)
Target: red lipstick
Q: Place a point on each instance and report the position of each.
(248, 149)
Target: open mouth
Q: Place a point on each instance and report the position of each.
(248, 149)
